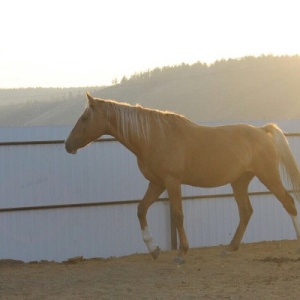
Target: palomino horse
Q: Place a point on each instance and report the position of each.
(172, 150)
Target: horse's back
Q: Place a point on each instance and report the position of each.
(219, 155)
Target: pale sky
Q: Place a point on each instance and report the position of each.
(64, 43)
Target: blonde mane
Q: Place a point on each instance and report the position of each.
(137, 119)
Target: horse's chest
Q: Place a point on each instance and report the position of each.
(151, 172)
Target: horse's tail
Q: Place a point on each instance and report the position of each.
(288, 165)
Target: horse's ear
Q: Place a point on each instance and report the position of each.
(91, 100)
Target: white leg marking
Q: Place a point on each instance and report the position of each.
(296, 225)
(148, 239)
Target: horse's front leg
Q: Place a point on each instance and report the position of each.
(174, 191)
(153, 192)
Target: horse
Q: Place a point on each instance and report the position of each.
(172, 150)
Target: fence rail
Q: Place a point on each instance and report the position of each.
(123, 202)
(112, 139)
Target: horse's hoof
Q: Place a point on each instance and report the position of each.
(155, 253)
(178, 260)
(232, 248)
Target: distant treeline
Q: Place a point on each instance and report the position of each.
(249, 88)
(199, 69)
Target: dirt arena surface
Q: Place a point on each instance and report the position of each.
(268, 270)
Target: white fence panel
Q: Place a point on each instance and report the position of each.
(58, 234)
(38, 175)
(211, 222)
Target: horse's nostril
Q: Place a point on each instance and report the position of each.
(67, 147)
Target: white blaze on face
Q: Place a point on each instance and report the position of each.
(148, 239)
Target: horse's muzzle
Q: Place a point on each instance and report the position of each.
(69, 149)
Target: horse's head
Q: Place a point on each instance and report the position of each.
(90, 126)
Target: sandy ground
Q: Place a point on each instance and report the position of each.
(268, 270)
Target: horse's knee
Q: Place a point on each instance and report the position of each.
(140, 211)
(246, 215)
(178, 217)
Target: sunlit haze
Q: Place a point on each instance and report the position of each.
(62, 43)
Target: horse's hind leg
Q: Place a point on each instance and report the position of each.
(240, 191)
(275, 185)
(153, 192)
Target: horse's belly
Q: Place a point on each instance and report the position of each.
(218, 175)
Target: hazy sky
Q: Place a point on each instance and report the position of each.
(90, 42)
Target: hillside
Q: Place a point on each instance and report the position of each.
(244, 89)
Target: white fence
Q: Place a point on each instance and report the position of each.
(55, 206)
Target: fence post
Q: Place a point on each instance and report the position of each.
(173, 231)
